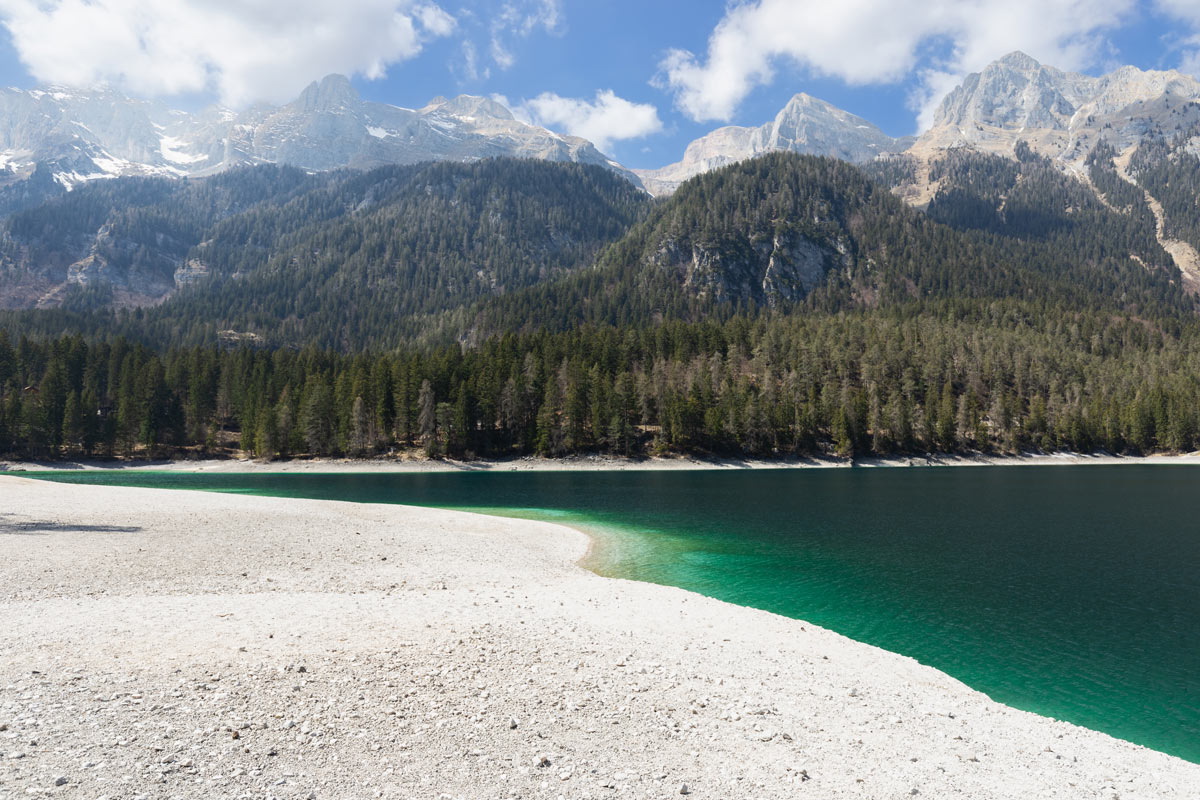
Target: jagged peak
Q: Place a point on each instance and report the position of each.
(1018, 60)
(802, 100)
(332, 91)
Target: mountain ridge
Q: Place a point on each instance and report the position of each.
(1062, 115)
(90, 135)
(805, 125)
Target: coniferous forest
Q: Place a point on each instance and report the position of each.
(507, 308)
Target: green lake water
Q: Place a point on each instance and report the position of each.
(1073, 592)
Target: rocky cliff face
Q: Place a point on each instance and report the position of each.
(773, 273)
(805, 125)
(89, 135)
(1061, 115)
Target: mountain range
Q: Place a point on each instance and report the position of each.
(88, 135)
(81, 135)
(805, 125)
(269, 188)
(1060, 114)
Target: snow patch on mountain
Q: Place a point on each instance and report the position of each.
(329, 126)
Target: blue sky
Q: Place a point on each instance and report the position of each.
(641, 78)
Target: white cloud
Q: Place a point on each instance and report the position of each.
(471, 70)
(502, 55)
(433, 19)
(605, 120)
(882, 41)
(523, 18)
(518, 20)
(1187, 12)
(243, 50)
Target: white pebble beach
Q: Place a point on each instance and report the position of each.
(165, 644)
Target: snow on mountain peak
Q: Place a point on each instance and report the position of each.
(327, 126)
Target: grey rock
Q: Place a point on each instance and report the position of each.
(1062, 115)
(805, 125)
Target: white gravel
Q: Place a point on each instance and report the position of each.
(176, 644)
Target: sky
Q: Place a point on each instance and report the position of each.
(640, 78)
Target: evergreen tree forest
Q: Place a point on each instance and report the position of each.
(1024, 311)
(846, 385)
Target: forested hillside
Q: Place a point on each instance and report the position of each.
(998, 230)
(1169, 168)
(783, 306)
(336, 259)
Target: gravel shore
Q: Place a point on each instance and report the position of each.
(179, 644)
(589, 463)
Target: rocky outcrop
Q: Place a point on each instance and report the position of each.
(116, 263)
(772, 272)
(805, 125)
(193, 271)
(795, 267)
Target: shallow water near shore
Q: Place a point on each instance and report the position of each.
(1072, 592)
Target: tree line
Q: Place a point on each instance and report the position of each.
(1004, 380)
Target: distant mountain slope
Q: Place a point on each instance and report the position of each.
(86, 135)
(128, 240)
(343, 259)
(798, 233)
(1168, 169)
(1061, 115)
(445, 252)
(805, 125)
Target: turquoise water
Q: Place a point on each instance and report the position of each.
(1069, 591)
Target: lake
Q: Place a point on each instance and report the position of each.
(1070, 591)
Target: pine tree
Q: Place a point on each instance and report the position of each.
(427, 421)
(316, 417)
(360, 429)
(74, 435)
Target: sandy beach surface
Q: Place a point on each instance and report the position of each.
(167, 644)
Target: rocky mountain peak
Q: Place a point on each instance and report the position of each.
(1015, 91)
(805, 125)
(330, 93)
(1060, 115)
(1019, 61)
(1018, 92)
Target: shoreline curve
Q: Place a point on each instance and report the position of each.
(457, 653)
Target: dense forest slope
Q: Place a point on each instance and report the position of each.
(128, 238)
(340, 259)
(784, 305)
(796, 233)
